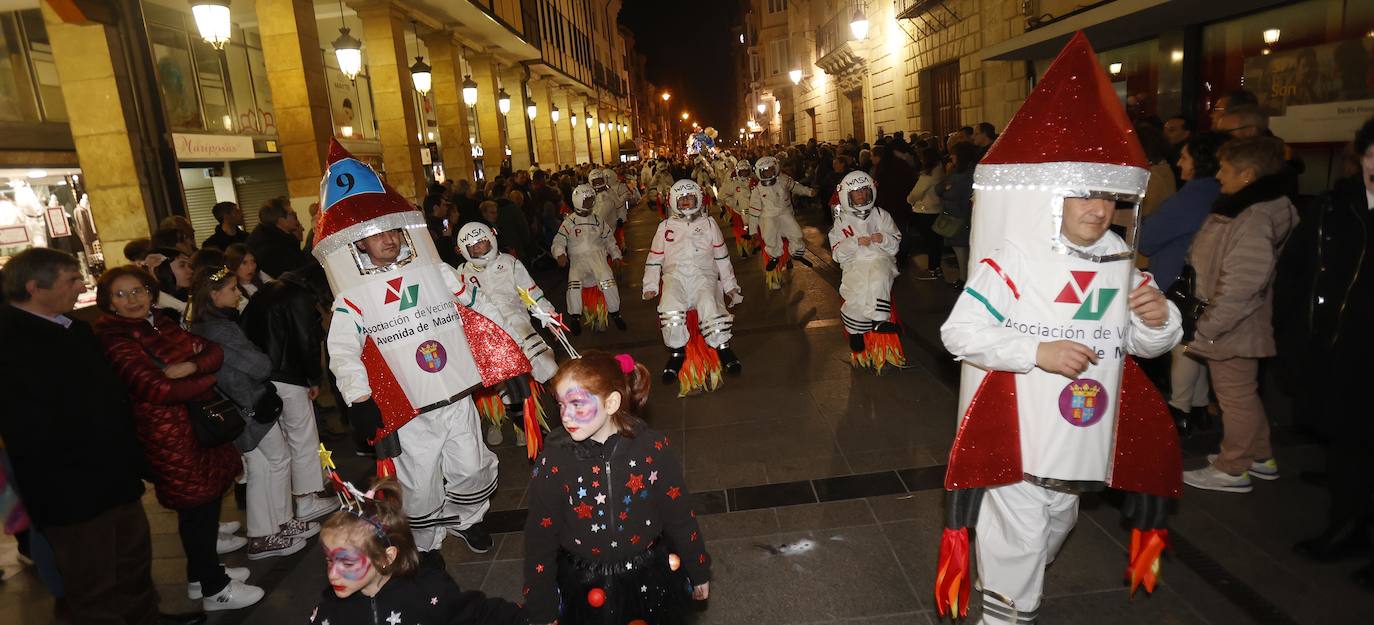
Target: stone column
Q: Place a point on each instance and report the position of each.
(384, 29)
(300, 95)
(544, 151)
(517, 133)
(447, 67)
(488, 116)
(581, 139)
(567, 144)
(104, 130)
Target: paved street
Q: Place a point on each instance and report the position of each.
(818, 489)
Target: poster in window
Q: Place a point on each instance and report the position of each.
(57, 222)
(1318, 93)
(176, 76)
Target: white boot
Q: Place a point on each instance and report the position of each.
(494, 436)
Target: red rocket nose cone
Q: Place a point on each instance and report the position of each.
(337, 152)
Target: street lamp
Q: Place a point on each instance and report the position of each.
(420, 71)
(601, 127)
(1271, 36)
(503, 101)
(666, 96)
(590, 120)
(795, 75)
(469, 90)
(573, 119)
(762, 107)
(553, 113)
(1114, 68)
(532, 111)
(859, 25)
(212, 20)
(347, 49)
(685, 116)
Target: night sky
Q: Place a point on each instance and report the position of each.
(687, 44)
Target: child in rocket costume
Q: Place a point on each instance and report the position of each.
(582, 244)
(503, 282)
(734, 195)
(402, 346)
(1051, 405)
(770, 214)
(864, 242)
(698, 284)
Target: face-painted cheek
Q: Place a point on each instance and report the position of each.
(579, 405)
(348, 564)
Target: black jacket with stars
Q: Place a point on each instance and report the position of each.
(429, 597)
(605, 502)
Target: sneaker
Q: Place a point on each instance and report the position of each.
(298, 529)
(312, 508)
(618, 321)
(234, 596)
(229, 527)
(729, 361)
(228, 543)
(238, 573)
(574, 323)
(476, 537)
(1267, 470)
(1212, 478)
(494, 436)
(274, 546)
(772, 264)
(856, 343)
(673, 366)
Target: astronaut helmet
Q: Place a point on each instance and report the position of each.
(858, 194)
(599, 180)
(767, 168)
(477, 243)
(686, 200)
(583, 196)
(743, 169)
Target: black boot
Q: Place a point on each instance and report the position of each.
(1201, 419)
(772, 264)
(1341, 541)
(1183, 422)
(729, 361)
(674, 365)
(856, 343)
(802, 259)
(885, 327)
(575, 324)
(618, 320)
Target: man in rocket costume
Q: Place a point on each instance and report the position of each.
(1051, 405)
(864, 242)
(688, 253)
(401, 346)
(582, 244)
(502, 281)
(770, 213)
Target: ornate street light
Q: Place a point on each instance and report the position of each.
(590, 120)
(573, 119)
(503, 101)
(666, 96)
(553, 113)
(796, 76)
(420, 71)
(347, 49)
(532, 111)
(762, 107)
(212, 20)
(469, 90)
(859, 25)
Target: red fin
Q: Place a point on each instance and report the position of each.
(386, 391)
(1147, 457)
(987, 449)
(497, 356)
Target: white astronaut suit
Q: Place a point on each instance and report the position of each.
(498, 277)
(864, 242)
(1029, 439)
(611, 204)
(770, 210)
(734, 193)
(400, 346)
(688, 254)
(586, 240)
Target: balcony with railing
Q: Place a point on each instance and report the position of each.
(837, 49)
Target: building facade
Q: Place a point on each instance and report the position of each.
(115, 114)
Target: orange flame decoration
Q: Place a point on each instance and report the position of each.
(535, 422)
(880, 349)
(386, 468)
(1146, 548)
(594, 315)
(774, 278)
(952, 581)
(701, 369)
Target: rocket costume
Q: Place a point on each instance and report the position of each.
(864, 242)
(503, 281)
(586, 241)
(698, 283)
(734, 194)
(400, 345)
(770, 214)
(1029, 440)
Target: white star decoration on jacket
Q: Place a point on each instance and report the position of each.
(394, 619)
(632, 464)
(595, 528)
(653, 476)
(434, 601)
(601, 499)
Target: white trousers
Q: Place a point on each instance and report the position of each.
(297, 424)
(1021, 527)
(1188, 385)
(591, 272)
(775, 228)
(446, 472)
(865, 287)
(538, 352)
(682, 293)
(268, 467)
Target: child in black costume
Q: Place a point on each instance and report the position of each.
(610, 537)
(375, 574)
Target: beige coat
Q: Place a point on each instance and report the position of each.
(1235, 259)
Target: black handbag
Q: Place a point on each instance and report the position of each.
(1183, 293)
(268, 407)
(215, 421)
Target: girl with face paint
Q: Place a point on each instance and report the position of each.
(375, 572)
(610, 536)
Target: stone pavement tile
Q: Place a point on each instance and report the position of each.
(1162, 608)
(927, 506)
(469, 576)
(800, 577)
(738, 401)
(823, 516)
(844, 487)
(1089, 561)
(506, 579)
(509, 498)
(746, 524)
(726, 475)
(35, 609)
(512, 547)
(889, 459)
(905, 618)
(792, 468)
(760, 441)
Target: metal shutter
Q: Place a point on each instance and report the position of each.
(199, 201)
(256, 182)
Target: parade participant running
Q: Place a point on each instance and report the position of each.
(864, 242)
(770, 213)
(582, 244)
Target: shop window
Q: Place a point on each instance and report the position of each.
(176, 76)
(1311, 64)
(49, 208)
(18, 97)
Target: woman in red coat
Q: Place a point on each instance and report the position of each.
(164, 367)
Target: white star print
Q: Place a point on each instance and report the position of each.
(601, 499)
(643, 589)
(434, 601)
(394, 619)
(629, 565)
(324, 622)
(614, 544)
(632, 463)
(653, 476)
(595, 528)
(314, 613)
(648, 522)
(579, 480)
